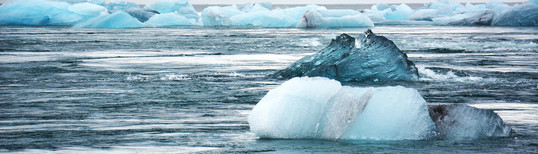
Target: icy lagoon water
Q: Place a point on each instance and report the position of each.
(191, 89)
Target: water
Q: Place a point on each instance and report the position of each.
(190, 89)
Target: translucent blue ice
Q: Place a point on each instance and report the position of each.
(118, 19)
(169, 19)
(182, 7)
(38, 12)
(118, 5)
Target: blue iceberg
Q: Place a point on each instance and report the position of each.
(333, 19)
(118, 19)
(142, 15)
(120, 5)
(366, 58)
(169, 19)
(525, 14)
(181, 7)
(38, 12)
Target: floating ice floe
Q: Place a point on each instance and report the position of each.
(366, 58)
(321, 108)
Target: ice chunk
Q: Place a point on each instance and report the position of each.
(182, 7)
(462, 122)
(219, 16)
(497, 5)
(525, 14)
(440, 8)
(381, 6)
(88, 9)
(97, 2)
(480, 17)
(334, 18)
(118, 19)
(141, 14)
(169, 19)
(37, 12)
(120, 5)
(401, 12)
(320, 108)
(233, 16)
(250, 19)
(366, 58)
(257, 6)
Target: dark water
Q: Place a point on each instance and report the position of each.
(191, 89)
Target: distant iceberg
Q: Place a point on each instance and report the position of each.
(333, 19)
(261, 14)
(116, 20)
(525, 14)
(321, 108)
(366, 58)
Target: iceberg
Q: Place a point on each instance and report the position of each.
(381, 12)
(480, 17)
(525, 14)
(182, 7)
(142, 15)
(219, 16)
(333, 19)
(120, 5)
(88, 9)
(118, 19)
(38, 12)
(256, 6)
(169, 19)
(321, 108)
(462, 122)
(366, 58)
(257, 15)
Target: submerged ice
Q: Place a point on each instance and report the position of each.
(366, 58)
(321, 108)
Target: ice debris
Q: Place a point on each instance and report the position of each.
(366, 58)
(462, 122)
(321, 108)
